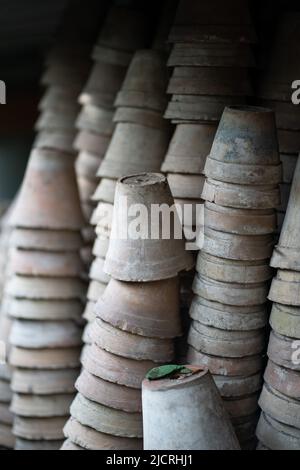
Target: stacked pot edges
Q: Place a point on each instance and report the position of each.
(44, 297)
(136, 322)
(229, 309)
(279, 425)
(139, 143)
(276, 93)
(121, 34)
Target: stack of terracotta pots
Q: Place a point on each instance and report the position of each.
(279, 425)
(139, 143)
(122, 33)
(136, 322)
(229, 310)
(44, 298)
(276, 91)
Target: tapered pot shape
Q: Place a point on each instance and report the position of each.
(276, 435)
(46, 240)
(283, 380)
(145, 82)
(285, 288)
(286, 253)
(49, 196)
(171, 423)
(149, 309)
(284, 351)
(153, 256)
(285, 320)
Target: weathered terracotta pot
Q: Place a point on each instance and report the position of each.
(97, 273)
(158, 258)
(45, 358)
(28, 445)
(283, 380)
(51, 120)
(113, 368)
(41, 406)
(103, 215)
(145, 117)
(131, 307)
(106, 420)
(276, 435)
(129, 153)
(129, 345)
(210, 81)
(37, 429)
(241, 196)
(238, 408)
(287, 114)
(59, 98)
(105, 191)
(86, 166)
(233, 387)
(95, 119)
(89, 314)
(5, 392)
(44, 382)
(49, 197)
(237, 247)
(281, 350)
(39, 263)
(55, 139)
(285, 320)
(285, 288)
(231, 367)
(70, 446)
(44, 310)
(6, 414)
(90, 439)
(65, 73)
(92, 143)
(228, 317)
(24, 287)
(230, 293)
(101, 246)
(243, 272)
(186, 186)
(163, 403)
(109, 394)
(103, 84)
(145, 82)
(39, 335)
(280, 407)
(7, 439)
(95, 291)
(239, 221)
(289, 141)
(289, 163)
(46, 240)
(223, 343)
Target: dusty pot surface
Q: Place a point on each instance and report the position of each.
(276, 435)
(283, 380)
(48, 429)
(44, 382)
(92, 143)
(279, 406)
(38, 406)
(285, 320)
(44, 310)
(41, 359)
(57, 139)
(7, 439)
(95, 291)
(46, 240)
(285, 288)
(233, 387)
(95, 119)
(186, 186)
(105, 191)
(282, 352)
(28, 445)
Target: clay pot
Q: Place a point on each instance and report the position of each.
(231, 367)
(91, 143)
(129, 345)
(39, 263)
(285, 288)
(241, 407)
(89, 314)
(289, 163)
(44, 310)
(145, 82)
(105, 191)
(285, 320)
(145, 117)
(237, 247)
(241, 196)
(230, 293)
(41, 406)
(228, 317)
(239, 221)
(5, 392)
(163, 403)
(95, 119)
(225, 343)
(234, 387)
(134, 148)
(211, 55)
(276, 435)
(24, 287)
(226, 81)
(103, 215)
(55, 139)
(49, 197)
(62, 74)
(51, 120)
(90, 439)
(158, 258)
(46, 240)
(186, 186)
(44, 382)
(282, 351)
(106, 420)
(38, 429)
(27, 445)
(45, 358)
(130, 307)
(95, 291)
(70, 446)
(7, 439)
(280, 407)
(189, 147)
(113, 368)
(240, 272)
(59, 98)
(109, 394)
(283, 380)
(97, 273)
(6, 414)
(86, 166)
(39, 335)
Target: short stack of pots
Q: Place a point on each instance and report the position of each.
(138, 144)
(44, 298)
(279, 425)
(229, 310)
(136, 322)
(276, 92)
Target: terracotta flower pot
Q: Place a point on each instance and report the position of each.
(186, 186)
(105, 191)
(143, 116)
(95, 291)
(55, 139)
(92, 143)
(95, 119)
(44, 310)
(237, 387)
(41, 359)
(285, 320)
(44, 382)
(70, 446)
(280, 407)
(41, 406)
(46, 288)
(97, 273)
(285, 288)
(7, 439)
(53, 121)
(28, 445)
(46, 240)
(276, 435)
(86, 167)
(283, 380)
(37, 429)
